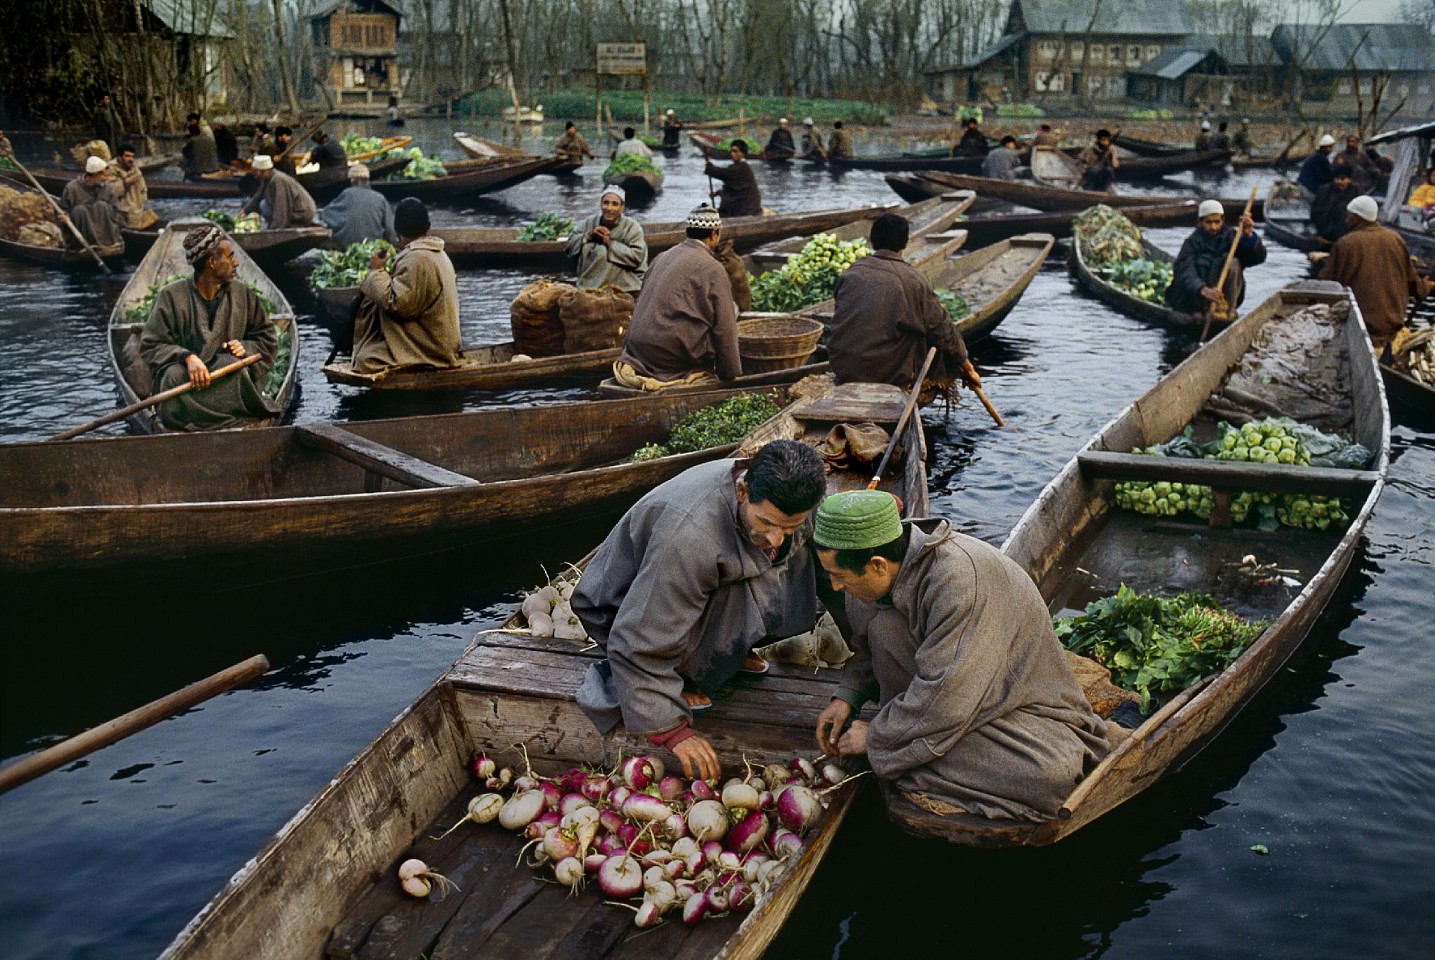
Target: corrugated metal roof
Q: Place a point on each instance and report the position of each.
(1401, 133)
(1236, 50)
(1366, 46)
(1174, 62)
(1002, 44)
(325, 9)
(1115, 16)
(185, 19)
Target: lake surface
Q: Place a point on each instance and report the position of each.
(1332, 768)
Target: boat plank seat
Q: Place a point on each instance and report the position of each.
(837, 410)
(376, 458)
(1227, 474)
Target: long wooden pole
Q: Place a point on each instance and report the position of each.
(902, 420)
(132, 722)
(1226, 267)
(63, 217)
(988, 404)
(157, 398)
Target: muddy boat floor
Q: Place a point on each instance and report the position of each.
(524, 686)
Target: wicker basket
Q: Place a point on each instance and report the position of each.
(778, 342)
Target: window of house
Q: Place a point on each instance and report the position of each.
(1364, 84)
(1423, 86)
(1113, 53)
(1048, 48)
(1133, 55)
(1153, 50)
(1098, 53)
(1115, 87)
(1077, 49)
(1094, 85)
(1343, 87)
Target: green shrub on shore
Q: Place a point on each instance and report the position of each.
(690, 108)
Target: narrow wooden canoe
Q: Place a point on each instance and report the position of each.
(1288, 217)
(707, 145)
(1128, 303)
(455, 187)
(166, 259)
(323, 185)
(984, 230)
(66, 257)
(641, 186)
(817, 365)
(1040, 197)
(480, 149)
(412, 783)
(1052, 168)
(482, 368)
(1153, 168)
(1409, 398)
(1077, 545)
(269, 248)
(896, 164)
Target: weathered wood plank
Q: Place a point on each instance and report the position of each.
(1283, 478)
(540, 926)
(502, 889)
(602, 927)
(377, 458)
(840, 409)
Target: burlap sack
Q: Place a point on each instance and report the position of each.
(854, 445)
(1103, 695)
(595, 319)
(41, 235)
(737, 275)
(537, 328)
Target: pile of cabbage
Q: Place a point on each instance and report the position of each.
(346, 268)
(548, 226)
(809, 277)
(1106, 237)
(1147, 279)
(229, 223)
(625, 163)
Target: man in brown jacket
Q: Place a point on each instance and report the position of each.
(1374, 263)
(684, 327)
(409, 315)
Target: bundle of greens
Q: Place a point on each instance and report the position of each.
(1106, 236)
(355, 144)
(626, 163)
(716, 426)
(139, 313)
(808, 278)
(275, 380)
(421, 167)
(1153, 645)
(1144, 278)
(229, 223)
(548, 226)
(347, 267)
(955, 304)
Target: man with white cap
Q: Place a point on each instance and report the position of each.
(780, 143)
(202, 323)
(1203, 139)
(1316, 172)
(977, 707)
(284, 201)
(1242, 139)
(1374, 263)
(360, 212)
(1198, 265)
(811, 146)
(684, 327)
(93, 204)
(672, 129)
(610, 247)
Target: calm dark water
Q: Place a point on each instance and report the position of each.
(1332, 768)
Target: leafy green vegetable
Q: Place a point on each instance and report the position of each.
(955, 304)
(1106, 236)
(421, 167)
(139, 313)
(808, 278)
(1152, 645)
(347, 267)
(229, 223)
(275, 380)
(355, 144)
(630, 163)
(548, 226)
(1260, 848)
(1144, 278)
(716, 426)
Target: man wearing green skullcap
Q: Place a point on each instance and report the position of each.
(977, 706)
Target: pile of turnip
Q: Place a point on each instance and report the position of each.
(655, 842)
(548, 613)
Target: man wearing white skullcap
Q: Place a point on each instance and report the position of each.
(1203, 255)
(672, 129)
(92, 203)
(811, 147)
(684, 326)
(780, 143)
(609, 246)
(360, 212)
(1203, 139)
(284, 202)
(1374, 263)
(1316, 172)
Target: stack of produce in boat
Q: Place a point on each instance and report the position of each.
(355, 145)
(626, 163)
(1413, 352)
(956, 304)
(809, 277)
(348, 267)
(548, 226)
(728, 422)
(27, 217)
(229, 223)
(1111, 244)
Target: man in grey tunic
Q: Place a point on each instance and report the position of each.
(610, 248)
(285, 202)
(977, 706)
(92, 203)
(701, 570)
(886, 316)
(1002, 162)
(201, 324)
(684, 325)
(360, 212)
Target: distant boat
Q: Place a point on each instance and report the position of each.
(524, 114)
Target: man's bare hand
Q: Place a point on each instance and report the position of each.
(379, 258)
(235, 347)
(198, 372)
(1211, 293)
(603, 235)
(970, 376)
(830, 723)
(854, 741)
(700, 760)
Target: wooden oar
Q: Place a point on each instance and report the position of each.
(1225, 268)
(157, 398)
(294, 143)
(902, 420)
(132, 722)
(60, 214)
(977, 388)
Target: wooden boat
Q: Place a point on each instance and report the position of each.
(1414, 145)
(1153, 168)
(1137, 147)
(480, 149)
(898, 163)
(1078, 546)
(268, 247)
(481, 368)
(1040, 197)
(484, 178)
(1409, 398)
(1288, 217)
(984, 230)
(1128, 303)
(641, 186)
(301, 495)
(707, 145)
(413, 782)
(166, 260)
(66, 257)
(1052, 168)
(816, 366)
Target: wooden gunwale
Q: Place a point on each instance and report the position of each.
(707, 146)
(1056, 198)
(61, 256)
(488, 178)
(325, 883)
(641, 186)
(483, 368)
(1079, 505)
(1127, 303)
(164, 259)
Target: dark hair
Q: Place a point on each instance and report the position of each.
(1345, 171)
(192, 116)
(789, 475)
(261, 126)
(628, 133)
(411, 217)
(890, 232)
(1046, 126)
(1008, 139)
(699, 233)
(126, 148)
(969, 120)
(320, 136)
(1222, 126)
(282, 131)
(568, 125)
(740, 144)
(1103, 132)
(857, 560)
(837, 125)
